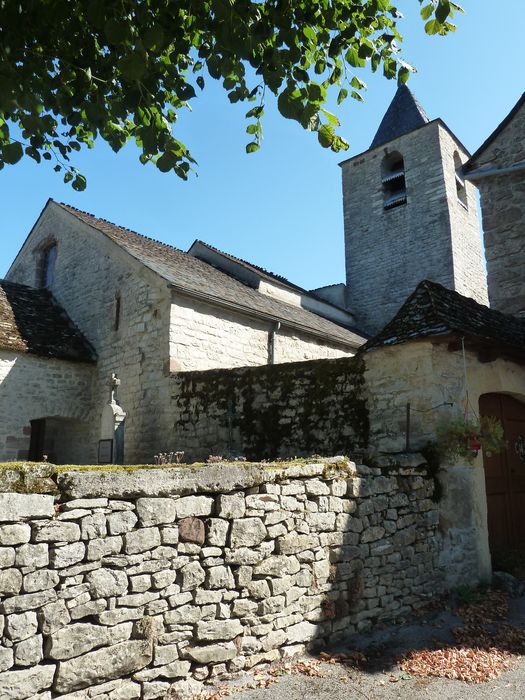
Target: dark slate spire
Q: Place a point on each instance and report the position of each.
(404, 114)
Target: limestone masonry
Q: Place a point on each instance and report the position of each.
(128, 582)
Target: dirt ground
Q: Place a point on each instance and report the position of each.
(379, 675)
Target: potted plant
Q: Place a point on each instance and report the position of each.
(463, 438)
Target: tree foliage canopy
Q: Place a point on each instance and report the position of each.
(75, 70)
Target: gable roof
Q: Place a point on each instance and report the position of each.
(32, 322)
(402, 116)
(497, 131)
(432, 310)
(191, 276)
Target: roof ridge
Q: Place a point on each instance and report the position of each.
(72, 209)
(403, 115)
(282, 278)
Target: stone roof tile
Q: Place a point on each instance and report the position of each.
(32, 322)
(433, 310)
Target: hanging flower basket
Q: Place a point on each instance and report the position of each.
(462, 439)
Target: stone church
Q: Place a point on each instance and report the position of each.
(96, 320)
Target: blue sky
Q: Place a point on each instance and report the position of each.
(281, 207)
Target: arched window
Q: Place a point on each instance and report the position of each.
(460, 182)
(393, 179)
(47, 268)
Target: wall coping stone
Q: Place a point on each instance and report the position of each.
(212, 478)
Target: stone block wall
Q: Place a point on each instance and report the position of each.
(503, 210)
(294, 409)
(205, 337)
(129, 582)
(33, 387)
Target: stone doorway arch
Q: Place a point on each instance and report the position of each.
(505, 477)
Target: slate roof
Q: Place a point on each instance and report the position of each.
(32, 322)
(403, 115)
(432, 310)
(194, 277)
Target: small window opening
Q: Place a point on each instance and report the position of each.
(461, 190)
(118, 306)
(47, 274)
(393, 179)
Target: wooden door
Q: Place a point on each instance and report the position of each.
(505, 475)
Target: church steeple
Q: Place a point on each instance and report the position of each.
(409, 216)
(403, 115)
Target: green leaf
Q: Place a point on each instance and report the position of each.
(443, 10)
(325, 135)
(12, 152)
(290, 104)
(433, 27)
(79, 183)
(343, 94)
(402, 76)
(427, 11)
(353, 58)
(332, 119)
(252, 147)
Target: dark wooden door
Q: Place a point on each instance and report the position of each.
(38, 436)
(505, 474)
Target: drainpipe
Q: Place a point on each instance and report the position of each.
(271, 342)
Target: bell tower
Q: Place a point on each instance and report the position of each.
(408, 215)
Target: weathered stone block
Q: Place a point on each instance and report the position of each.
(10, 581)
(194, 506)
(220, 577)
(218, 630)
(18, 533)
(302, 632)
(32, 555)
(40, 580)
(231, 506)
(247, 532)
(102, 665)
(29, 651)
(93, 526)
(68, 555)
(192, 576)
(292, 543)
(156, 511)
(21, 626)
(7, 557)
(21, 506)
(211, 653)
(6, 658)
(19, 685)
(105, 583)
(29, 601)
(142, 540)
(53, 617)
(192, 530)
(121, 522)
(56, 531)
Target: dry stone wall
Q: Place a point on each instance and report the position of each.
(293, 409)
(129, 583)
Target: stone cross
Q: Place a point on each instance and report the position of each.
(114, 384)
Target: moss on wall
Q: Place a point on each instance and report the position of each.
(298, 408)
